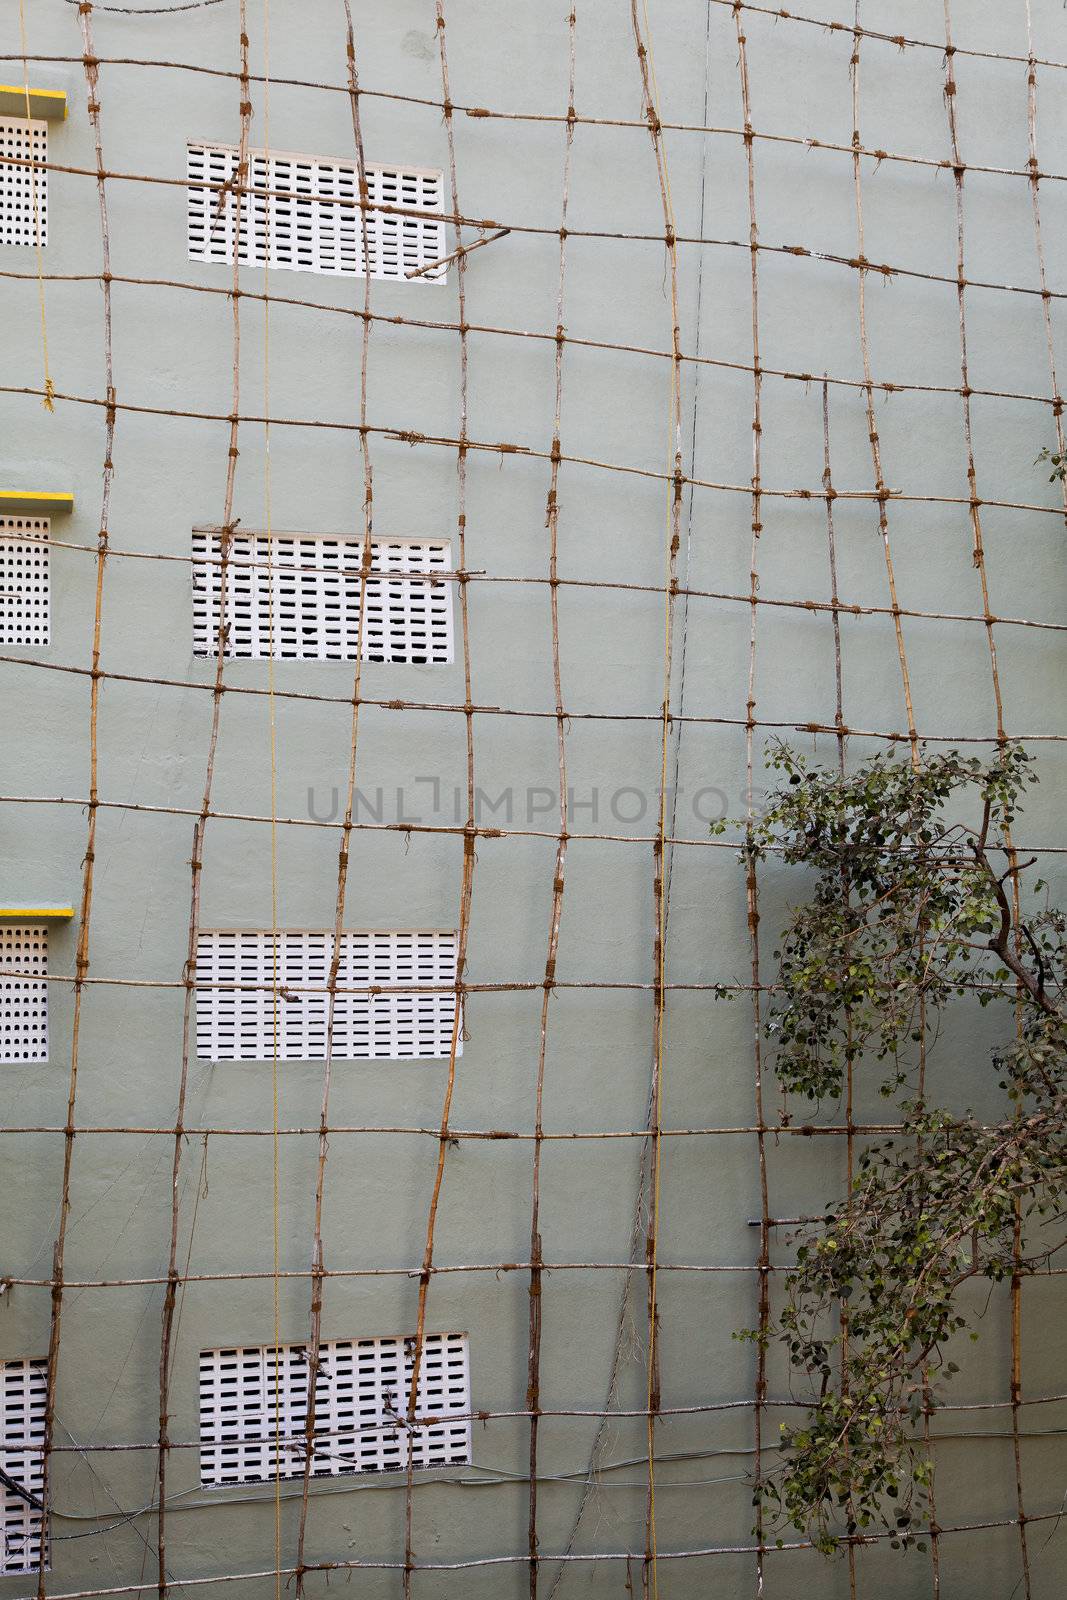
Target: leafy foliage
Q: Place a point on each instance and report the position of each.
(1058, 464)
(911, 909)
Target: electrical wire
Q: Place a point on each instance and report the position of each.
(488, 1478)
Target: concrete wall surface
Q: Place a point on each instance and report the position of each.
(164, 75)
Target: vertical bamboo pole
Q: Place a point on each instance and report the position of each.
(317, 1248)
(92, 79)
(470, 830)
(200, 827)
(650, 88)
(533, 1386)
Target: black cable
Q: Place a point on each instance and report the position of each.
(153, 11)
(21, 1490)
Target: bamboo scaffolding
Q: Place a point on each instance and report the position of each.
(683, 591)
(420, 323)
(318, 1249)
(486, 113)
(839, 720)
(408, 828)
(526, 452)
(649, 1268)
(82, 959)
(751, 876)
(951, 97)
(858, 263)
(199, 831)
(1016, 1372)
(533, 1386)
(462, 444)
(486, 1562)
(650, 89)
(782, 1403)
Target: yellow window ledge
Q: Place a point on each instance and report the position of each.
(50, 103)
(47, 912)
(35, 502)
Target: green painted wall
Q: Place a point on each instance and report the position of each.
(172, 352)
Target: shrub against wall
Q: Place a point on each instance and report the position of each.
(913, 909)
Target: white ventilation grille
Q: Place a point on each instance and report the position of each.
(309, 220)
(239, 973)
(296, 597)
(23, 999)
(253, 1409)
(24, 1387)
(25, 607)
(24, 181)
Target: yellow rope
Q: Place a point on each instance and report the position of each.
(273, 819)
(49, 386)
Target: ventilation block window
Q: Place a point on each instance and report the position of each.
(23, 1387)
(25, 609)
(23, 181)
(253, 1409)
(261, 994)
(23, 994)
(304, 213)
(296, 597)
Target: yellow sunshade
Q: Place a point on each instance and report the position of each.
(49, 912)
(50, 103)
(35, 502)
